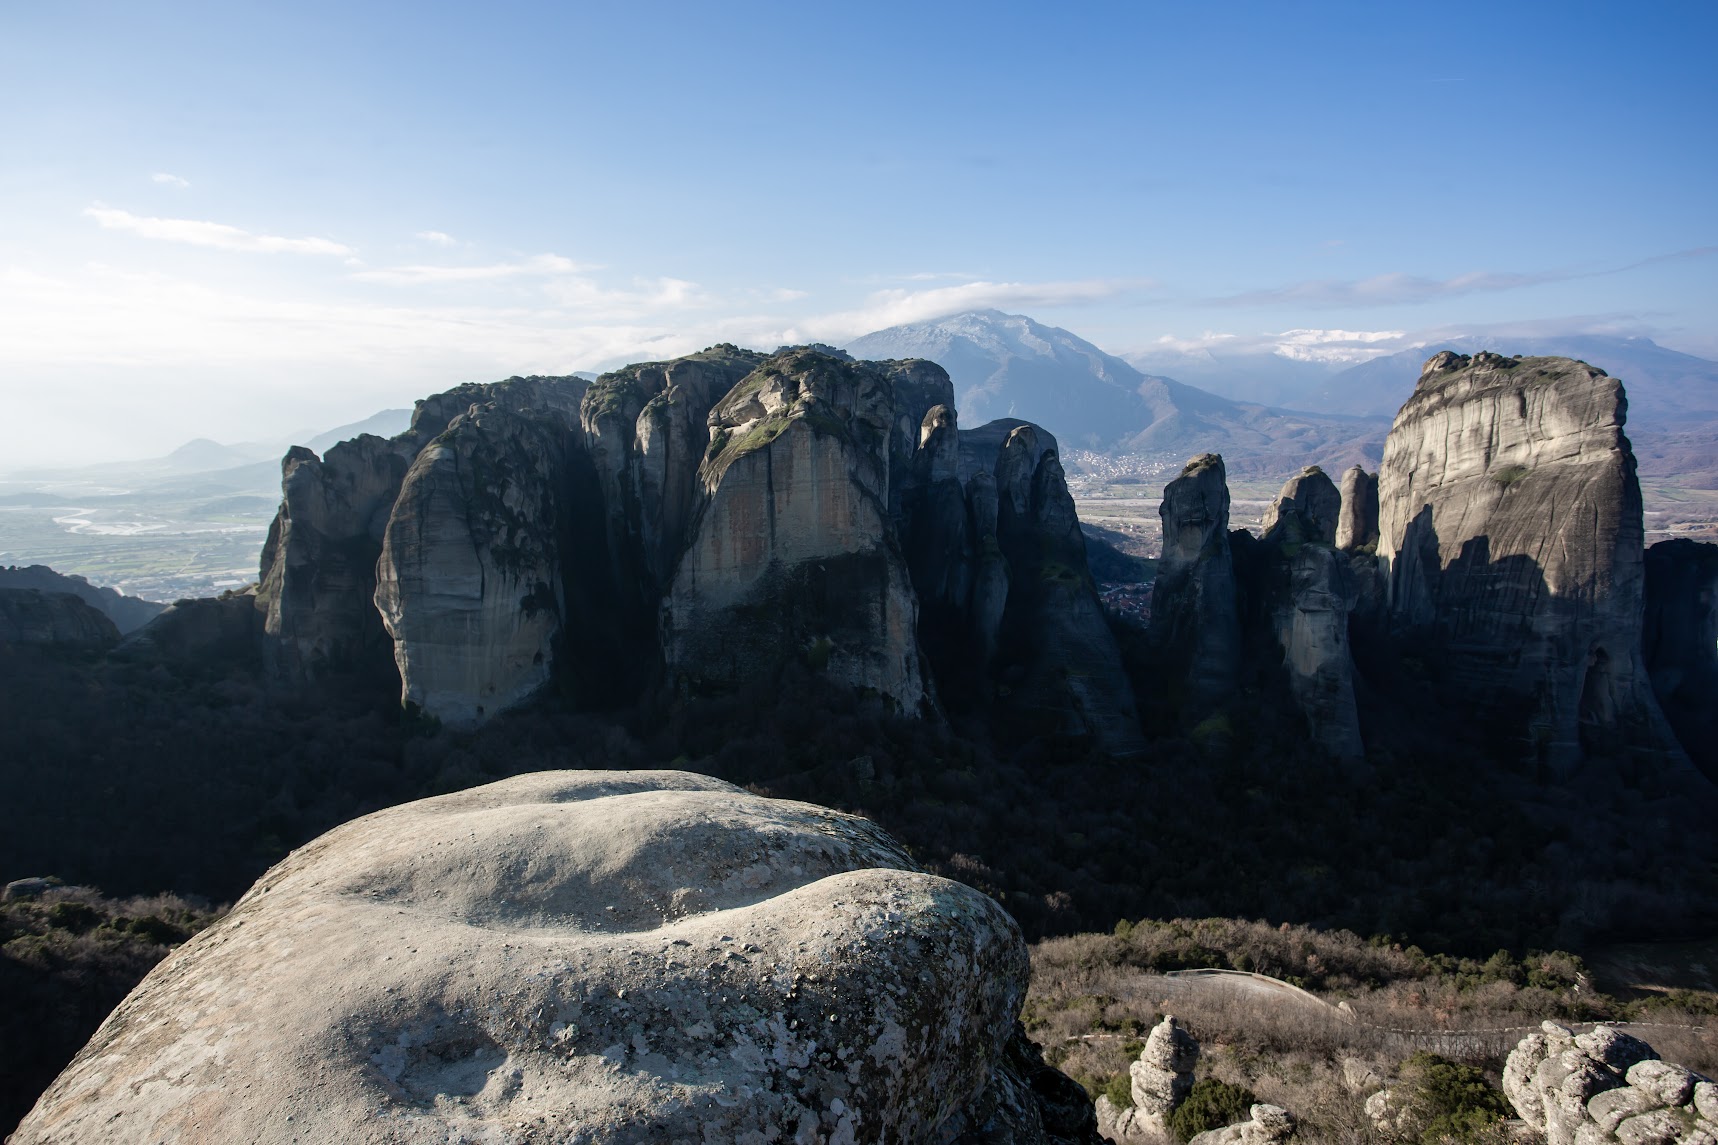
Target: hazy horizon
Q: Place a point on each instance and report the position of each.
(235, 222)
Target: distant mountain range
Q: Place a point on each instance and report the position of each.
(1668, 391)
(1007, 365)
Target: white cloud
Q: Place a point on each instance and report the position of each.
(167, 180)
(896, 307)
(439, 238)
(1301, 345)
(218, 235)
(536, 265)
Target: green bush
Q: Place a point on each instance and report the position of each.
(1211, 1104)
(1119, 1089)
(1450, 1101)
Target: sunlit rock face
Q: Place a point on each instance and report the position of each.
(793, 549)
(580, 956)
(1510, 530)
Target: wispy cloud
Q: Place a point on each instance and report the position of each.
(536, 266)
(167, 180)
(1407, 289)
(219, 235)
(439, 238)
(896, 307)
(1301, 345)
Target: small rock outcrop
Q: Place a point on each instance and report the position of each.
(1510, 530)
(1194, 619)
(1265, 1125)
(1160, 1080)
(604, 956)
(793, 550)
(1357, 526)
(1679, 641)
(128, 613)
(1604, 1087)
(226, 629)
(31, 616)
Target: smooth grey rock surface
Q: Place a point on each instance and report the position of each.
(1510, 526)
(469, 583)
(792, 552)
(1357, 525)
(1306, 510)
(578, 956)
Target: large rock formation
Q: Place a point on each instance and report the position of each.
(1605, 1087)
(1510, 528)
(318, 576)
(1679, 640)
(1193, 609)
(31, 616)
(470, 581)
(128, 613)
(594, 956)
(222, 630)
(1312, 592)
(793, 548)
(712, 518)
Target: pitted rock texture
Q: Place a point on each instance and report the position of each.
(470, 584)
(793, 550)
(573, 956)
(1679, 641)
(1510, 526)
(1604, 1087)
(1193, 609)
(1160, 1080)
(31, 616)
(1265, 1125)
(1357, 526)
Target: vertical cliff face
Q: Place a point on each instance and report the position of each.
(1193, 609)
(318, 577)
(793, 552)
(1679, 640)
(1312, 593)
(470, 583)
(1357, 527)
(1510, 531)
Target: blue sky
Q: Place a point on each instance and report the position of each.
(239, 220)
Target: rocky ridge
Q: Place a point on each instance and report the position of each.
(605, 956)
(703, 521)
(128, 613)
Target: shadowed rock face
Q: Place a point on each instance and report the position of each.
(604, 956)
(1510, 529)
(1357, 526)
(31, 616)
(470, 583)
(128, 613)
(1193, 610)
(1679, 640)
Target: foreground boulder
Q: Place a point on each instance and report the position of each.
(1510, 531)
(581, 956)
(1605, 1087)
